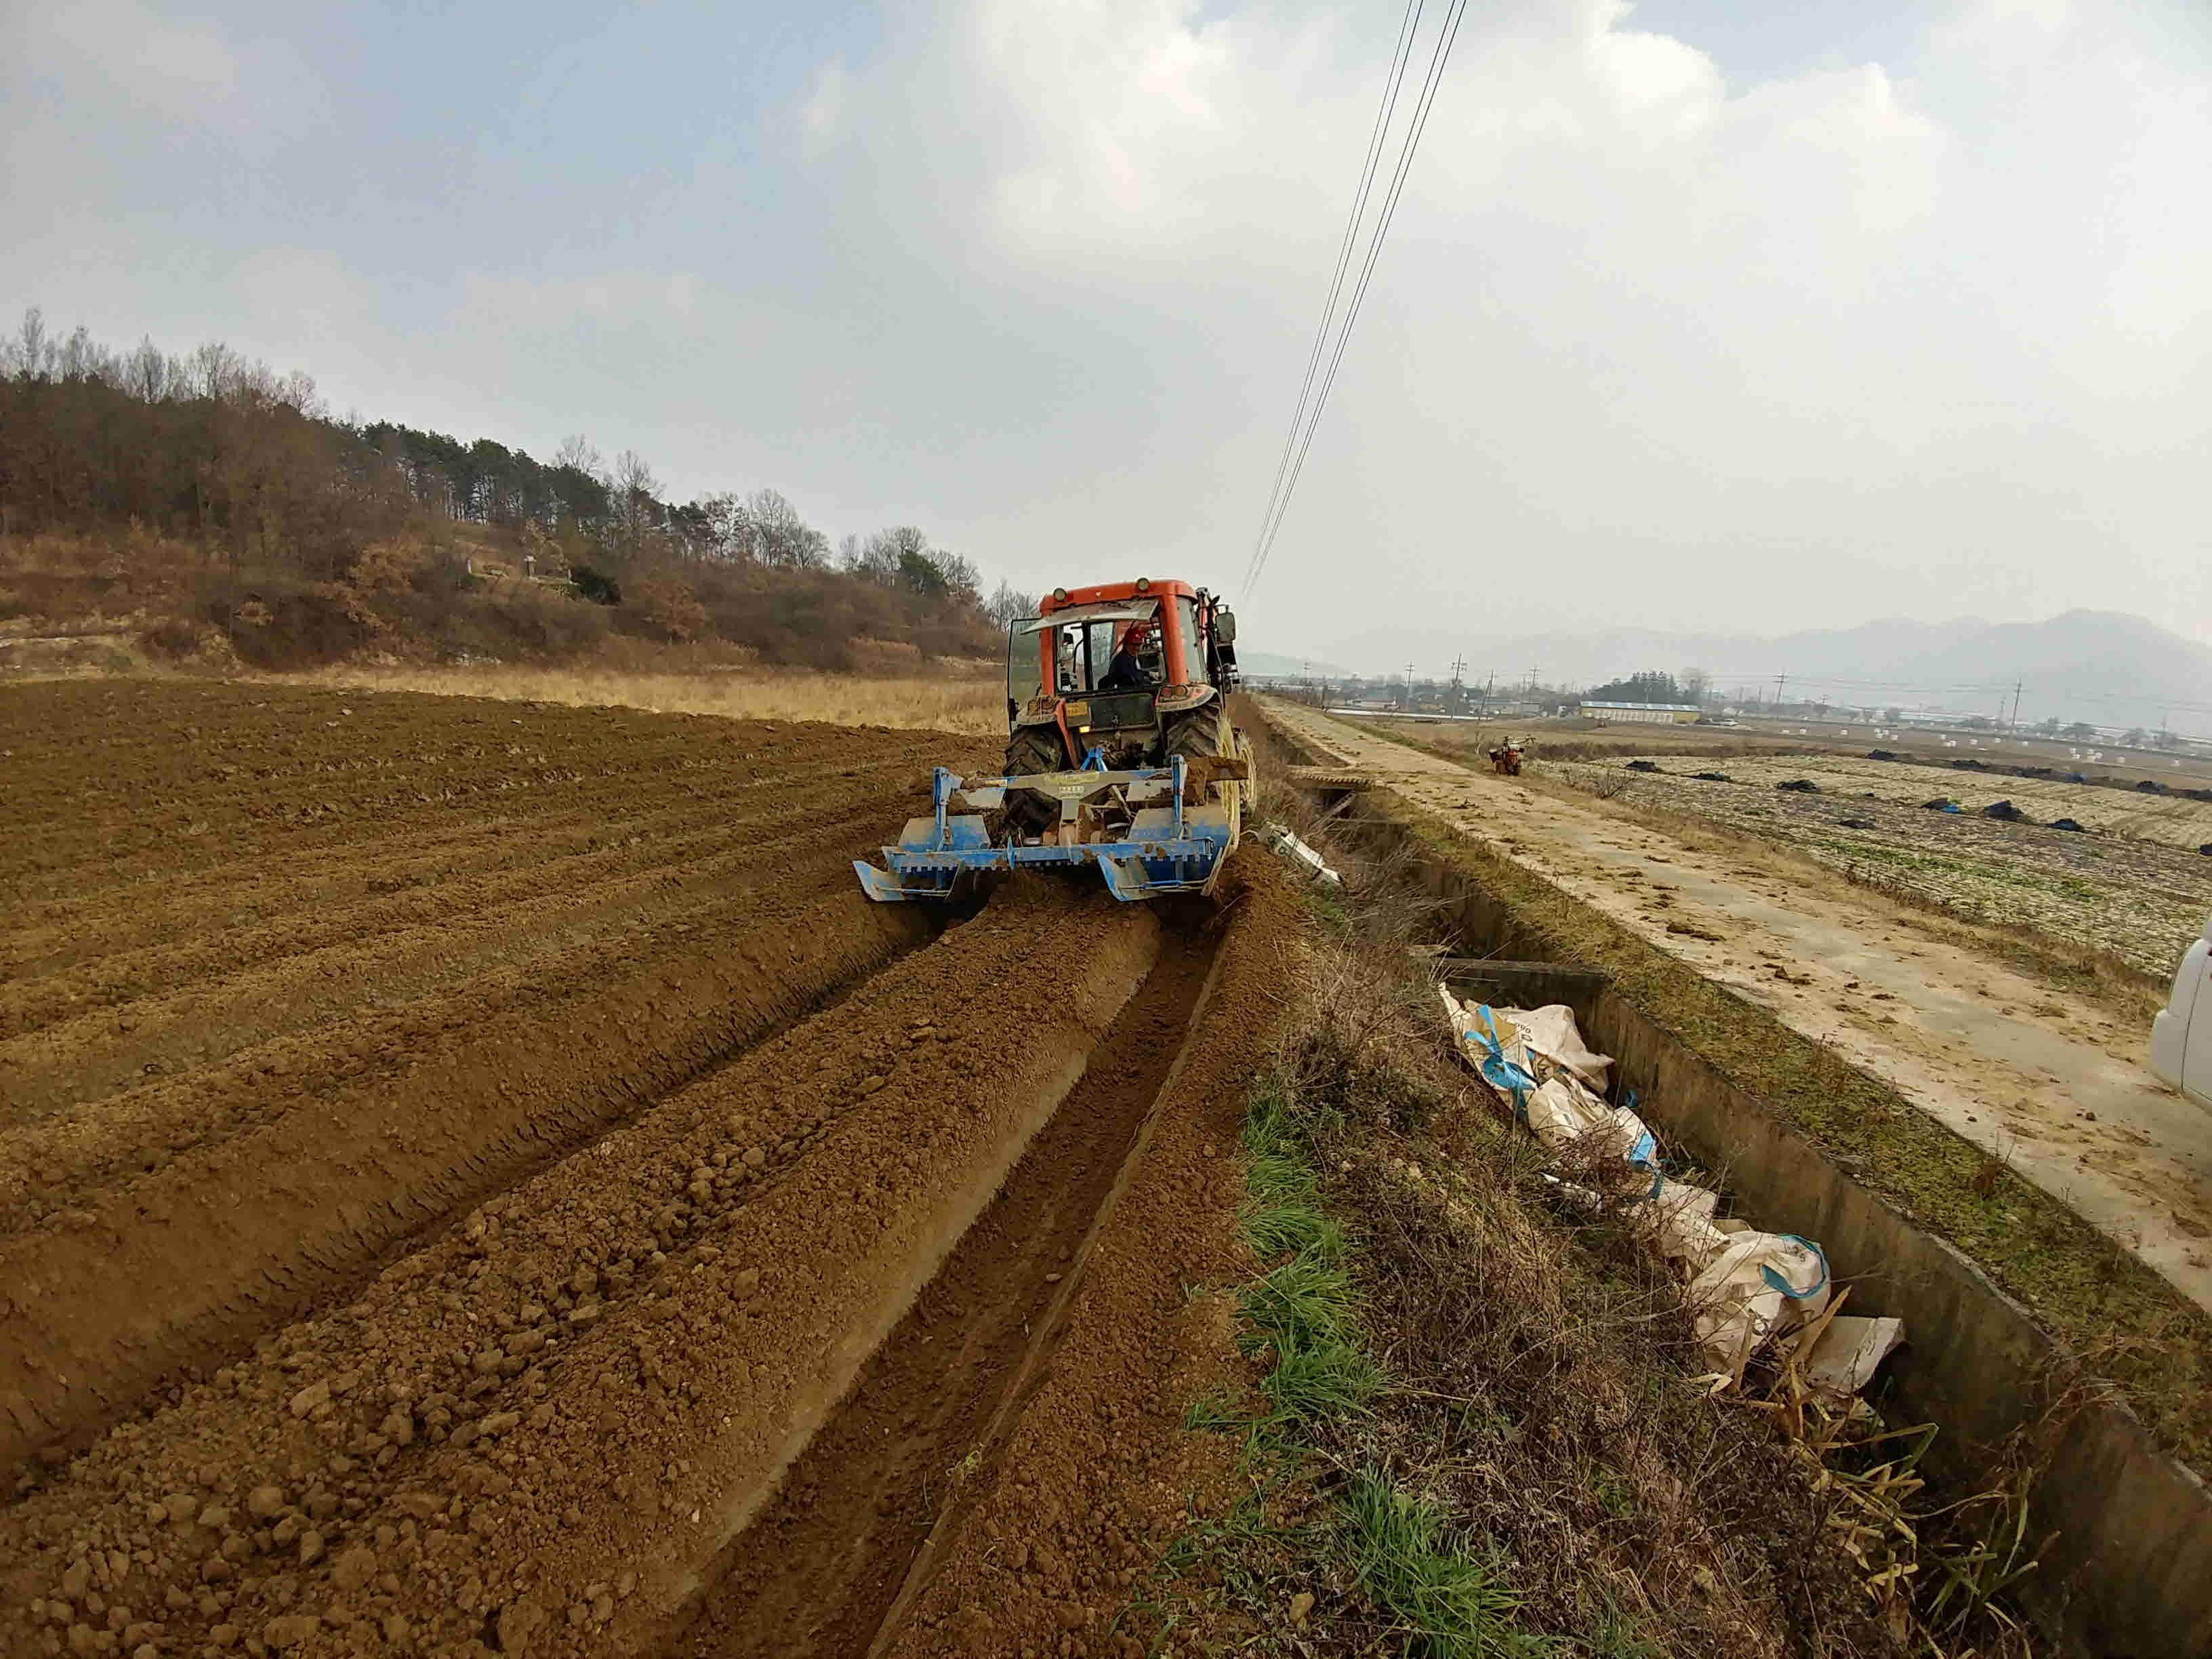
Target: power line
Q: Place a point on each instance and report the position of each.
(1400, 56)
(1439, 57)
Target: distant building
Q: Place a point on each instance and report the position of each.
(1656, 713)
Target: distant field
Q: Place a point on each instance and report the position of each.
(2174, 820)
(1581, 740)
(2128, 887)
(2131, 887)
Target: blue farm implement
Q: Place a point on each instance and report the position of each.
(1144, 830)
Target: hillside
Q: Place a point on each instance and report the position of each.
(208, 508)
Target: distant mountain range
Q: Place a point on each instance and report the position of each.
(2102, 667)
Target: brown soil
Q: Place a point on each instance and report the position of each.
(816, 1573)
(243, 1060)
(1098, 1474)
(611, 1363)
(295, 979)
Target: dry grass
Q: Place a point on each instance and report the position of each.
(936, 703)
(2095, 1297)
(1532, 1394)
(1538, 1389)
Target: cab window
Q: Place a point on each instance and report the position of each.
(1025, 664)
(1101, 653)
(1194, 648)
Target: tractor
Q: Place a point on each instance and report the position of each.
(1121, 755)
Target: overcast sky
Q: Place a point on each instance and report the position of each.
(1696, 314)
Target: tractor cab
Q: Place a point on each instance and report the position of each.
(1110, 667)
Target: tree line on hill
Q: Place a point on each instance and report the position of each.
(331, 535)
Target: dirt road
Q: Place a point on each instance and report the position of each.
(2061, 1090)
(480, 1174)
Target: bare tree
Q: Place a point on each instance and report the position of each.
(30, 354)
(149, 374)
(580, 453)
(635, 500)
(781, 536)
(1008, 605)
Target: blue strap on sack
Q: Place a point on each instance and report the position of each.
(1775, 1280)
(1499, 1071)
(1643, 1154)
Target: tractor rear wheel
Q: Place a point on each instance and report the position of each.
(1031, 750)
(1205, 733)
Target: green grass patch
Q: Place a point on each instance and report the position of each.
(1301, 1315)
(1302, 1310)
(1448, 1602)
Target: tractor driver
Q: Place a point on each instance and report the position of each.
(1127, 671)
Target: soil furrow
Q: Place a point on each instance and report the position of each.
(450, 913)
(65, 1158)
(540, 1428)
(103, 1302)
(112, 787)
(90, 1056)
(1041, 1549)
(208, 878)
(819, 1568)
(229, 912)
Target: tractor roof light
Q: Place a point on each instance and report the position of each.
(1059, 596)
(1144, 584)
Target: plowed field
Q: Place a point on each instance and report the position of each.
(478, 1176)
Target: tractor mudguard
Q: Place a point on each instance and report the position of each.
(1181, 699)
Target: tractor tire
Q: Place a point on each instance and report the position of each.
(1206, 733)
(1030, 749)
(1240, 746)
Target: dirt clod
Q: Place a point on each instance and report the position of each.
(314, 1394)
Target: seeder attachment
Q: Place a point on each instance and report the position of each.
(1140, 829)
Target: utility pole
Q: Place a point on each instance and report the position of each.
(1780, 680)
(2016, 684)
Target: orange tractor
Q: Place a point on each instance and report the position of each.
(1120, 753)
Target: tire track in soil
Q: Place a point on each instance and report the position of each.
(532, 1431)
(113, 786)
(265, 887)
(1041, 1549)
(820, 1568)
(188, 952)
(89, 1056)
(102, 1303)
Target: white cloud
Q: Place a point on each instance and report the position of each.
(522, 305)
(171, 70)
(825, 104)
(1633, 311)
